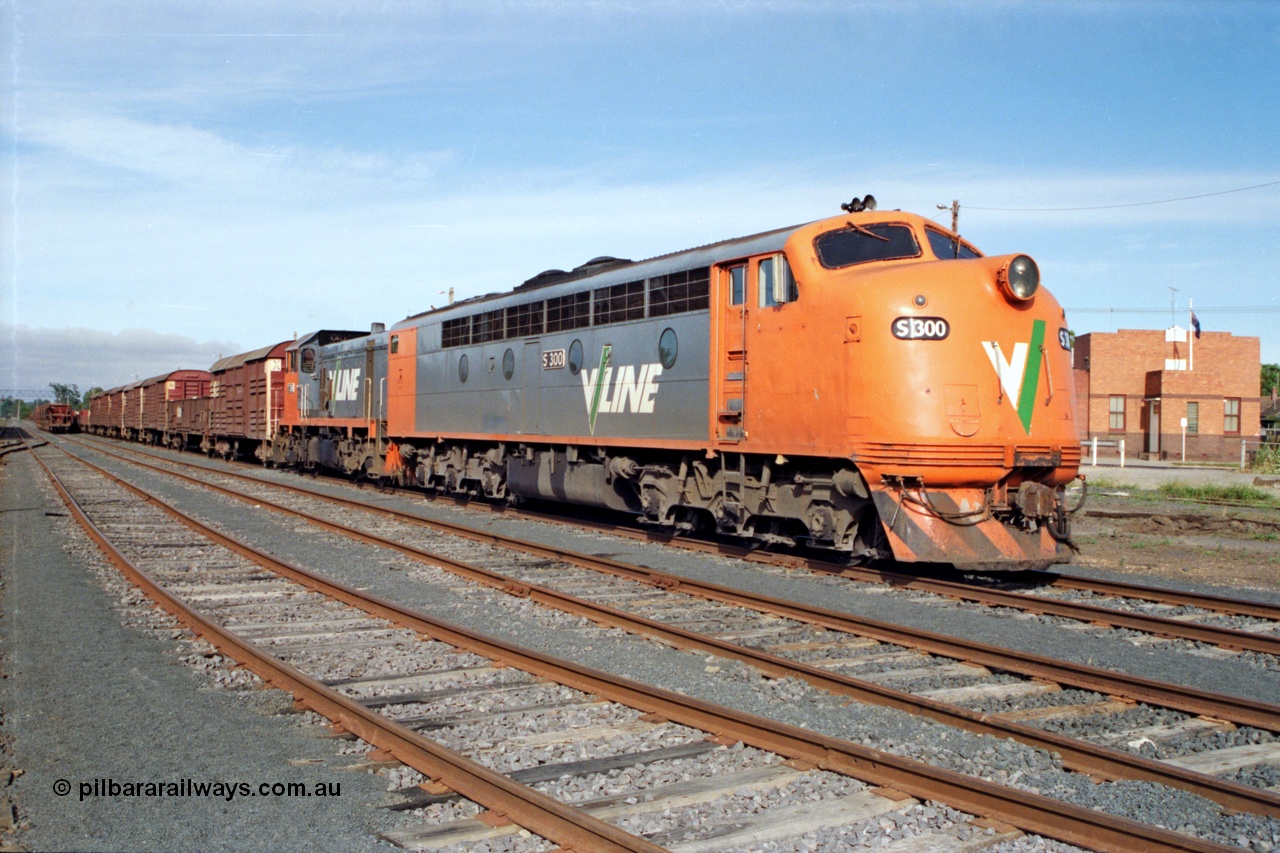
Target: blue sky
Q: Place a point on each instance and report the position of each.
(184, 180)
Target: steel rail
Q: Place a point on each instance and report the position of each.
(1033, 813)
(1218, 603)
(1157, 625)
(1077, 755)
(536, 812)
(1245, 711)
(1162, 626)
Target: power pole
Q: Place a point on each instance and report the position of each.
(955, 215)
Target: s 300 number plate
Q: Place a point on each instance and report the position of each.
(921, 328)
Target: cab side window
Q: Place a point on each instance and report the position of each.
(775, 282)
(737, 284)
(308, 365)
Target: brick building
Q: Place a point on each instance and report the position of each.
(1140, 384)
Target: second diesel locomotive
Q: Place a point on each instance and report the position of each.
(867, 383)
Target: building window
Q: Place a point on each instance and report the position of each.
(1231, 416)
(1193, 418)
(1117, 413)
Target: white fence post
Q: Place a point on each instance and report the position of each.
(1095, 451)
(1122, 453)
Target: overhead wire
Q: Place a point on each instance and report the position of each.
(1242, 309)
(1239, 309)
(1117, 206)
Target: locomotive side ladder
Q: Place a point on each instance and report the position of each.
(731, 352)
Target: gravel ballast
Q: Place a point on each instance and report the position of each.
(740, 687)
(86, 698)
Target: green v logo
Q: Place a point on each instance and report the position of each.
(600, 379)
(1020, 374)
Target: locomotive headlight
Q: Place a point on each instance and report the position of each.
(1020, 277)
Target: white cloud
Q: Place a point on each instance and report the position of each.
(34, 356)
(179, 168)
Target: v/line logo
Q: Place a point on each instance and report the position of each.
(625, 390)
(1020, 375)
(345, 384)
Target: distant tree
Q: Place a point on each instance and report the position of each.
(69, 394)
(13, 407)
(89, 395)
(1270, 378)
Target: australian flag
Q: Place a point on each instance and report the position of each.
(1195, 324)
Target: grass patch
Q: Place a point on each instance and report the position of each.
(1111, 485)
(1237, 493)
(1267, 459)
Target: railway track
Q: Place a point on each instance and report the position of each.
(862, 660)
(1229, 623)
(347, 654)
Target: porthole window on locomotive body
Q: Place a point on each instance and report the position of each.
(508, 364)
(575, 357)
(668, 347)
(463, 369)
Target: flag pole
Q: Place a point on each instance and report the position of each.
(1191, 356)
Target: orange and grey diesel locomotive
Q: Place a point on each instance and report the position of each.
(868, 383)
